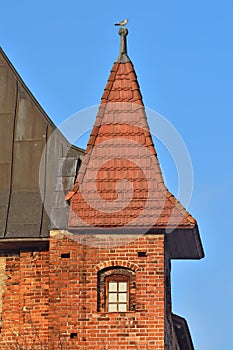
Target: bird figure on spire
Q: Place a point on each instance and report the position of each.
(122, 23)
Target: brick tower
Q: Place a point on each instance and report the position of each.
(124, 229)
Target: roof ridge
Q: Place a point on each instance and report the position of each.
(101, 112)
(92, 139)
(89, 144)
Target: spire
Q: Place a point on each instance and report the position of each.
(120, 184)
(123, 57)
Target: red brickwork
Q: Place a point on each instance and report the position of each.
(73, 287)
(51, 298)
(25, 302)
(2, 279)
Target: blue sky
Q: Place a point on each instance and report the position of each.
(183, 55)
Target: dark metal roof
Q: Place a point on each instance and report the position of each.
(182, 333)
(27, 178)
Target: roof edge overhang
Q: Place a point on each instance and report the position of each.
(183, 242)
(13, 245)
(182, 332)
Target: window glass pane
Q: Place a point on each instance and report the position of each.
(112, 307)
(122, 297)
(122, 286)
(112, 297)
(122, 307)
(112, 287)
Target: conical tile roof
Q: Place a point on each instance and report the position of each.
(120, 184)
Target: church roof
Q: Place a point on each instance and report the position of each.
(120, 184)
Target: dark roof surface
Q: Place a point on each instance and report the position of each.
(182, 332)
(24, 132)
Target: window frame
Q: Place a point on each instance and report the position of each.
(120, 273)
(118, 279)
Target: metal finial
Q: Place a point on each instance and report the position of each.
(123, 57)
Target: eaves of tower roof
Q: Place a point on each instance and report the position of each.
(120, 184)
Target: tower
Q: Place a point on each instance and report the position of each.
(125, 227)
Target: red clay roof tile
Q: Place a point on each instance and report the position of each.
(120, 181)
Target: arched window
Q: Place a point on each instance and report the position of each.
(116, 290)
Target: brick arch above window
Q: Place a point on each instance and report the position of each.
(117, 263)
(118, 276)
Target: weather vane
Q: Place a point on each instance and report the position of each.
(122, 23)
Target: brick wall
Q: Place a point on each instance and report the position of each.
(50, 299)
(25, 302)
(73, 286)
(2, 281)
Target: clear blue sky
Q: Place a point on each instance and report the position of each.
(183, 55)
